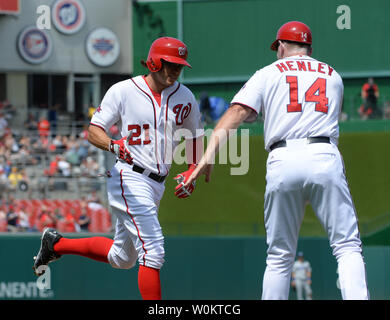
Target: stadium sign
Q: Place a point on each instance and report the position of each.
(68, 16)
(23, 290)
(34, 45)
(9, 7)
(102, 47)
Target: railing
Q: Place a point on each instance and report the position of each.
(352, 105)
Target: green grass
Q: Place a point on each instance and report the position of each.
(233, 205)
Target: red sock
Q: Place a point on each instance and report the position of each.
(149, 283)
(95, 248)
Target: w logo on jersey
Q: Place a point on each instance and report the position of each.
(181, 112)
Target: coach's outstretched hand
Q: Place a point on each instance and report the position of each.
(202, 168)
(119, 148)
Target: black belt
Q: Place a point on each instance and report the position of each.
(153, 176)
(282, 143)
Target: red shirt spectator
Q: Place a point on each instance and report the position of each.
(370, 95)
(69, 223)
(47, 220)
(53, 168)
(370, 89)
(44, 127)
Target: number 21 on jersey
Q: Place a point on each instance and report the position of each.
(135, 131)
(316, 93)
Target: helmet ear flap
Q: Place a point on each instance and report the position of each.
(153, 65)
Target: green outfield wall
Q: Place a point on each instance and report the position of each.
(228, 40)
(233, 204)
(195, 268)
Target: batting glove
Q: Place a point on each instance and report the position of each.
(181, 191)
(119, 148)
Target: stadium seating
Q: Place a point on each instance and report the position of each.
(100, 219)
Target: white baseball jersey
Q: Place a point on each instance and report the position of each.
(297, 96)
(154, 128)
(300, 97)
(301, 269)
(134, 198)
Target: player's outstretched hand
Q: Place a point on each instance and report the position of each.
(119, 148)
(182, 191)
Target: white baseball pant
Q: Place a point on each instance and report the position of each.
(134, 199)
(303, 172)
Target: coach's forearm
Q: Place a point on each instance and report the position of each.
(98, 137)
(230, 120)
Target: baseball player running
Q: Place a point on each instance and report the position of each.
(300, 100)
(150, 110)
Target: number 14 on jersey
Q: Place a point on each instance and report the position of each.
(316, 93)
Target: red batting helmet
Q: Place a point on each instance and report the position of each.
(168, 49)
(292, 31)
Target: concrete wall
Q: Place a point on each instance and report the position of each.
(68, 54)
(200, 268)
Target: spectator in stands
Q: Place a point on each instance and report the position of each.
(10, 201)
(46, 219)
(212, 107)
(205, 108)
(52, 117)
(218, 106)
(14, 178)
(58, 143)
(92, 166)
(370, 95)
(31, 124)
(53, 167)
(64, 166)
(7, 167)
(23, 219)
(12, 219)
(41, 145)
(91, 110)
(68, 221)
(84, 222)
(71, 154)
(43, 127)
(8, 109)
(26, 157)
(3, 125)
(3, 180)
(83, 149)
(3, 220)
(93, 201)
(83, 169)
(11, 144)
(84, 133)
(25, 150)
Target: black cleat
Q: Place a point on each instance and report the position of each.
(46, 252)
